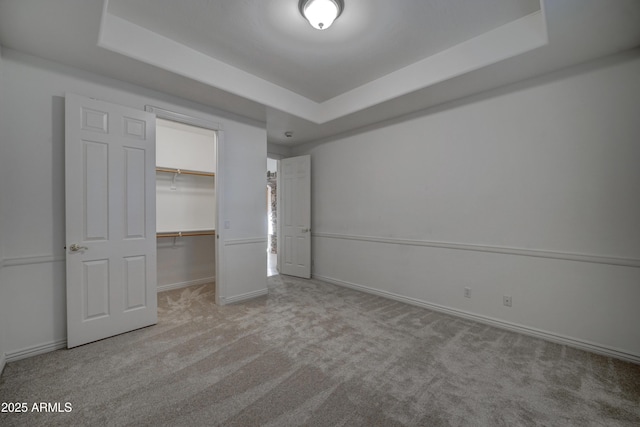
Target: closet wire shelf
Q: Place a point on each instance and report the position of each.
(185, 172)
(186, 233)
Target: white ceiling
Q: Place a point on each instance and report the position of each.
(271, 40)
(379, 60)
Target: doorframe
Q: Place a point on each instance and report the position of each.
(161, 113)
(278, 213)
(276, 158)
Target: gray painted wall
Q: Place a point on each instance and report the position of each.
(3, 298)
(501, 193)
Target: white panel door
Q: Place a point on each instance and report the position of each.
(110, 219)
(296, 216)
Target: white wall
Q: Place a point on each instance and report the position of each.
(530, 191)
(32, 162)
(246, 238)
(3, 298)
(272, 165)
(186, 261)
(278, 151)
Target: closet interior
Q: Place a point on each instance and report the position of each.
(185, 204)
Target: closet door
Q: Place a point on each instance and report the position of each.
(110, 219)
(295, 203)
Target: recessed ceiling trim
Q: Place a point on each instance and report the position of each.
(514, 38)
(129, 39)
(506, 41)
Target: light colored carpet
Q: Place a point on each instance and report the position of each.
(316, 354)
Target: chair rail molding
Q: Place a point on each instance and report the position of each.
(32, 259)
(537, 253)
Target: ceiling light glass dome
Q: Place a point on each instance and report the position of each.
(321, 13)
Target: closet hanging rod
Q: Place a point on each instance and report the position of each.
(185, 172)
(187, 233)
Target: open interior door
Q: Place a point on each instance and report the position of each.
(110, 219)
(295, 203)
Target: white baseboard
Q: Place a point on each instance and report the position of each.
(170, 286)
(35, 350)
(247, 296)
(514, 327)
(3, 361)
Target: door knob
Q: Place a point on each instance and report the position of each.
(75, 247)
(306, 230)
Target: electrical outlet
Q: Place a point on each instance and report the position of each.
(467, 292)
(506, 300)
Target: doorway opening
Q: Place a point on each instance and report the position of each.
(186, 203)
(272, 217)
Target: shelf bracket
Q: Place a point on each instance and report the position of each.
(173, 181)
(175, 238)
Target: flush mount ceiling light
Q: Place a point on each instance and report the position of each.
(321, 13)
